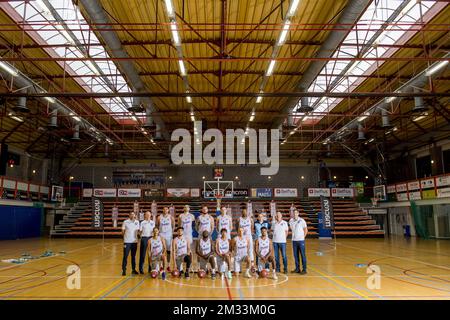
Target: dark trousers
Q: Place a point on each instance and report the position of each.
(277, 247)
(127, 247)
(143, 253)
(299, 246)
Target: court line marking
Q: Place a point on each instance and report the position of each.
(341, 284)
(135, 287)
(232, 287)
(117, 287)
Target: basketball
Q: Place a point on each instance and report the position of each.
(263, 273)
(175, 273)
(201, 273)
(154, 274)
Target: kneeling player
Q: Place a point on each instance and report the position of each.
(223, 252)
(157, 252)
(206, 254)
(182, 252)
(241, 252)
(264, 252)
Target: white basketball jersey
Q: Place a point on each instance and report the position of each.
(157, 246)
(205, 223)
(181, 246)
(186, 223)
(224, 223)
(241, 247)
(166, 225)
(205, 246)
(246, 225)
(263, 246)
(224, 246)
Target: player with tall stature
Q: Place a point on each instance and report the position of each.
(166, 224)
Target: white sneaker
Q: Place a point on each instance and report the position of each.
(229, 275)
(247, 274)
(275, 277)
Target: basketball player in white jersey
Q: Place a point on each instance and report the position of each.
(264, 252)
(224, 221)
(157, 252)
(205, 253)
(223, 251)
(241, 252)
(181, 252)
(166, 224)
(185, 220)
(246, 223)
(204, 222)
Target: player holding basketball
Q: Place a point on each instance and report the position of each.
(223, 251)
(181, 252)
(241, 252)
(166, 224)
(224, 221)
(157, 252)
(246, 223)
(264, 252)
(204, 222)
(205, 253)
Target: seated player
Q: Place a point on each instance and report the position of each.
(223, 252)
(241, 252)
(181, 251)
(264, 252)
(157, 252)
(206, 254)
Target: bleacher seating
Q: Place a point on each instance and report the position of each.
(350, 220)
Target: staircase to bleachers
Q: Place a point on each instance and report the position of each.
(350, 220)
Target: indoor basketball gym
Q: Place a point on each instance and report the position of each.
(326, 123)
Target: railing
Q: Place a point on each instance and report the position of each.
(12, 188)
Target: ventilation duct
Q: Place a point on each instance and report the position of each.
(157, 133)
(76, 132)
(304, 106)
(53, 121)
(385, 122)
(136, 106)
(361, 135)
(419, 105)
(148, 120)
(21, 105)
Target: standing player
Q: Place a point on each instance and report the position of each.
(204, 222)
(130, 228)
(246, 223)
(264, 252)
(224, 221)
(185, 220)
(115, 215)
(241, 252)
(206, 254)
(166, 224)
(145, 231)
(136, 207)
(154, 209)
(181, 252)
(157, 253)
(223, 252)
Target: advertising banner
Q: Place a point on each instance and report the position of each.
(414, 185)
(129, 193)
(285, 192)
(97, 213)
(261, 192)
(443, 181)
(342, 192)
(427, 183)
(317, 192)
(87, 193)
(105, 193)
(178, 192)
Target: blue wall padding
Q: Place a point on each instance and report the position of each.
(19, 222)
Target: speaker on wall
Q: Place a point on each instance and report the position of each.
(3, 159)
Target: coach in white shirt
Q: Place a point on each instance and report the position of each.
(130, 229)
(299, 232)
(280, 231)
(145, 230)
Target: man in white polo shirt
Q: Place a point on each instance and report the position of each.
(145, 230)
(299, 232)
(130, 229)
(280, 231)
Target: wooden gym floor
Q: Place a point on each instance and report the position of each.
(410, 269)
